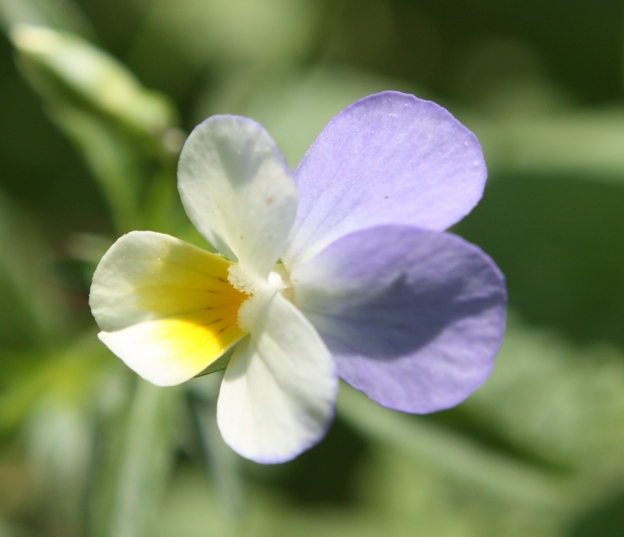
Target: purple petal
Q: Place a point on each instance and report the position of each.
(413, 317)
(389, 158)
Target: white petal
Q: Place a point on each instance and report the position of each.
(170, 351)
(278, 393)
(164, 306)
(238, 190)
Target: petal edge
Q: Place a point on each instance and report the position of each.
(413, 318)
(278, 394)
(165, 307)
(388, 159)
(238, 190)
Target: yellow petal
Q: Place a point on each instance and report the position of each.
(165, 307)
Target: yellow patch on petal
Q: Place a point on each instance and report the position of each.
(172, 350)
(192, 280)
(200, 337)
(188, 311)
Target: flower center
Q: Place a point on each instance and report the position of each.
(279, 279)
(258, 290)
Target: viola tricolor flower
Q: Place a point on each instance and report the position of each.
(342, 269)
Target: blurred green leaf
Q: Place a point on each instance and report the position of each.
(60, 438)
(60, 14)
(293, 106)
(136, 465)
(565, 404)
(193, 36)
(409, 492)
(558, 240)
(460, 458)
(93, 78)
(112, 158)
(67, 375)
(192, 508)
(399, 494)
(32, 309)
(222, 462)
(587, 144)
(9, 530)
(125, 133)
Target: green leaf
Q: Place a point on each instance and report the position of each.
(586, 144)
(9, 530)
(223, 464)
(93, 78)
(562, 403)
(60, 439)
(136, 465)
(60, 14)
(558, 242)
(238, 31)
(408, 492)
(68, 375)
(112, 157)
(125, 133)
(452, 454)
(32, 308)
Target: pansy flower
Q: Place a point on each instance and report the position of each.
(340, 269)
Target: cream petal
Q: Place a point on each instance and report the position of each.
(238, 190)
(164, 306)
(278, 393)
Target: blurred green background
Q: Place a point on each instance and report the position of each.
(93, 111)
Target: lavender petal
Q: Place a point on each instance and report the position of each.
(389, 158)
(413, 318)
